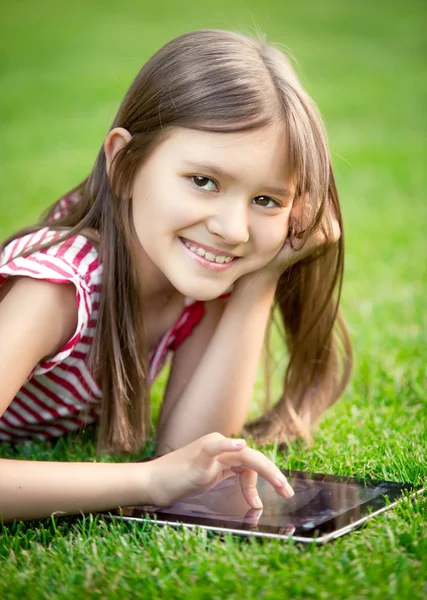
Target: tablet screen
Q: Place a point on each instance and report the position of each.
(321, 504)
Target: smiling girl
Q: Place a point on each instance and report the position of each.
(211, 204)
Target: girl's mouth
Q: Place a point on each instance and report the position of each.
(205, 258)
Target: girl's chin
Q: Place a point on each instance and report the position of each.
(203, 288)
(204, 297)
(204, 294)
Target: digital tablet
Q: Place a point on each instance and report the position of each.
(323, 508)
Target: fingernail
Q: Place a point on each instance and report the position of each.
(238, 443)
(281, 479)
(289, 490)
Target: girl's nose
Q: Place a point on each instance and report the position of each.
(230, 221)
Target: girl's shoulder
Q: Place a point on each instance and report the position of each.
(49, 254)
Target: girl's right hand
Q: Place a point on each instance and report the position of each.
(206, 462)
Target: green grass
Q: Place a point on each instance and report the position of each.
(63, 72)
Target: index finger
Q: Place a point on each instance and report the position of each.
(255, 460)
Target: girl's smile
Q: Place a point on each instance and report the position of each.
(209, 257)
(204, 211)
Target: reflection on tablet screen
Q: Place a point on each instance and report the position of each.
(314, 503)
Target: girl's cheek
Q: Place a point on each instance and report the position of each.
(277, 239)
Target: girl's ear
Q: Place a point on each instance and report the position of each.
(116, 139)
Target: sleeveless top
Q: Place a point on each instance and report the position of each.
(61, 394)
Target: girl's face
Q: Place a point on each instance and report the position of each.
(209, 208)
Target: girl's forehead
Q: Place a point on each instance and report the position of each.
(229, 139)
(263, 150)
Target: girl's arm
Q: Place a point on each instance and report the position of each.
(36, 319)
(213, 372)
(36, 489)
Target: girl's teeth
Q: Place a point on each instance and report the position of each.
(208, 255)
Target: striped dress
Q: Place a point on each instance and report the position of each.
(61, 394)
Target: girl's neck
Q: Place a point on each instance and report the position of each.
(156, 290)
(160, 313)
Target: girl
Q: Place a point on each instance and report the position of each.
(211, 202)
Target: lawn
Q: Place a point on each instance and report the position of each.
(63, 72)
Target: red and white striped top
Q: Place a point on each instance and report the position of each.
(61, 395)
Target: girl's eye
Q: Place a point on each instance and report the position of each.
(204, 183)
(266, 202)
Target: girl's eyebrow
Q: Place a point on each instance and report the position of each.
(205, 166)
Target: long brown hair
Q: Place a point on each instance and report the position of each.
(215, 81)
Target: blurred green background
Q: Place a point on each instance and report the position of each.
(64, 69)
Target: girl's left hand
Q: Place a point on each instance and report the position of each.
(329, 232)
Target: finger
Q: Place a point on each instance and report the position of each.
(227, 474)
(301, 208)
(238, 470)
(301, 216)
(316, 241)
(247, 480)
(292, 253)
(214, 444)
(252, 459)
(335, 233)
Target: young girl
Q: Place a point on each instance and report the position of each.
(212, 201)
